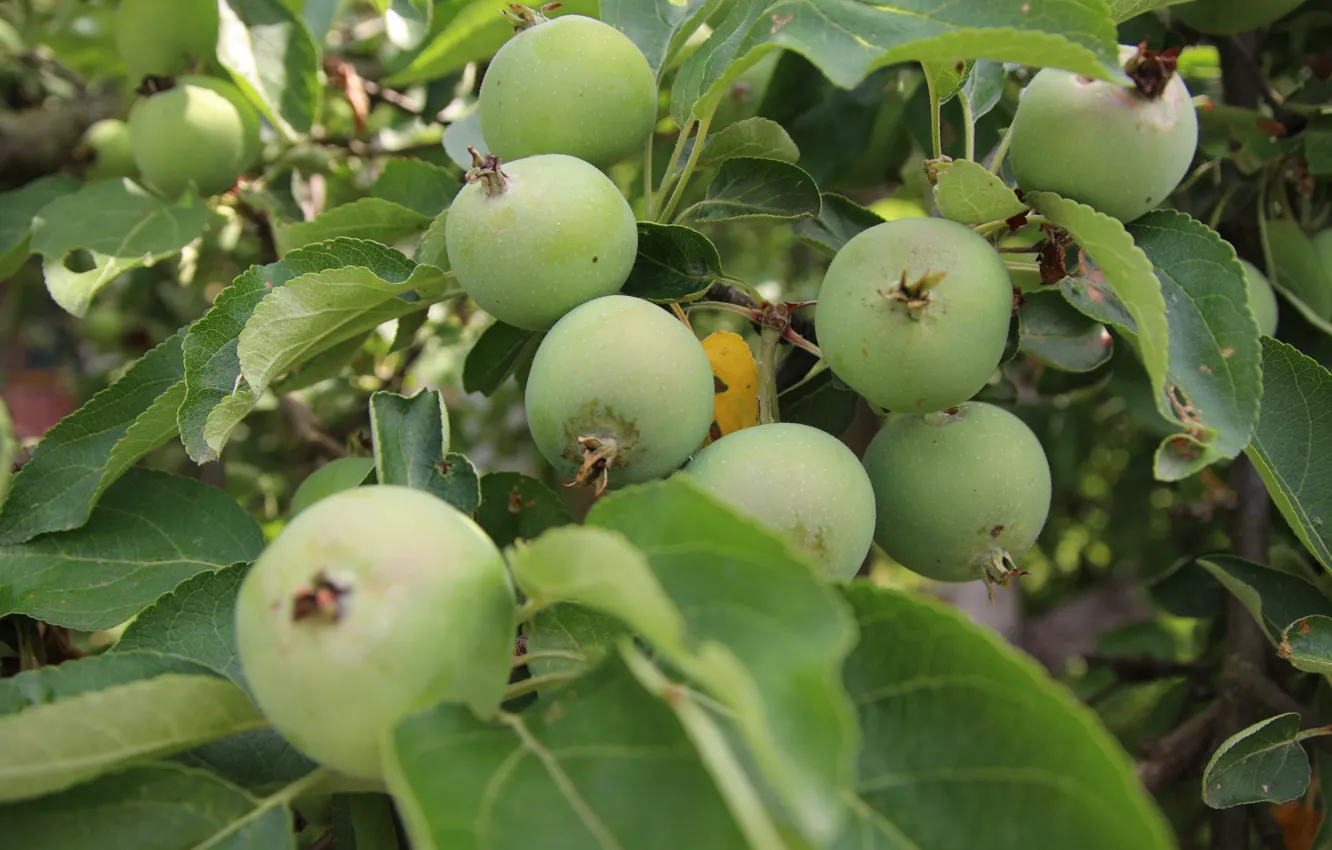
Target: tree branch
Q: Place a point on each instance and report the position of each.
(1177, 753)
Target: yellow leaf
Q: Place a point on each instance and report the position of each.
(735, 380)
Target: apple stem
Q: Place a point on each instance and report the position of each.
(489, 171)
(598, 454)
(769, 338)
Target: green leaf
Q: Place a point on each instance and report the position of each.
(364, 822)
(51, 747)
(433, 247)
(839, 220)
(462, 134)
(1307, 644)
(406, 22)
(1053, 331)
(318, 310)
(150, 532)
(1123, 268)
(417, 185)
(9, 449)
(603, 759)
(846, 39)
(1292, 445)
(17, 210)
(88, 450)
(497, 354)
(820, 401)
(747, 599)
(674, 263)
(658, 27)
(944, 78)
(273, 58)
(216, 398)
(758, 138)
(969, 193)
(1297, 267)
(575, 629)
(195, 621)
(50, 684)
(984, 87)
(748, 187)
(1216, 371)
(1122, 10)
(120, 224)
(514, 507)
(1274, 597)
(1263, 763)
(374, 219)
(411, 439)
(475, 32)
(339, 474)
(950, 714)
(155, 807)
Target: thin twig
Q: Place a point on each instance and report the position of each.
(1176, 753)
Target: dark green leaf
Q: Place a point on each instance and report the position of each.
(122, 226)
(748, 187)
(88, 450)
(500, 351)
(155, 807)
(821, 401)
(411, 437)
(196, 622)
(151, 532)
(1292, 446)
(604, 759)
(950, 712)
(1215, 357)
(216, 397)
(1263, 763)
(364, 822)
(515, 507)
(1274, 597)
(752, 137)
(1051, 330)
(674, 263)
(335, 476)
(848, 39)
(273, 58)
(417, 185)
(838, 221)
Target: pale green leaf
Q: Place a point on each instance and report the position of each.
(847, 39)
(120, 224)
(373, 219)
(51, 747)
(969, 193)
(53, 683)
(1122, 10)
(1307, 644)
(88, 450)
(658, 27)
(216, 398)
(339, 474)
(19, 206)
(318, 310)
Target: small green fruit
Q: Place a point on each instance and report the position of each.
(165, 38)
(570, 85)
(532, 239)
(913, 314)
(249, 115)
(373, 602)
(1262, 299)
(958, 493)
(1227, 17)
(1103, 144)
(800, 481)
(619, 391)
(109, 142)
(188, 134)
